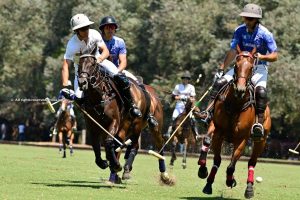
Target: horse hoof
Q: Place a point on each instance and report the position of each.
(118, 168)
(114, 178)
(126, 175)
(102, 164)
(183, 165)
(166, 179)
(249, 192)
(202, 172)
(231, 183)
(207, 189)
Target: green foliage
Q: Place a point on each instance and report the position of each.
(163, 39)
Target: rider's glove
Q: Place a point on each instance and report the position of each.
(68, 93)
(219, 74)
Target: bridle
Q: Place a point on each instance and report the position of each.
(93, 76)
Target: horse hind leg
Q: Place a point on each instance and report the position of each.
(173, 151)
(129, 157)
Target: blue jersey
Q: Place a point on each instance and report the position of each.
(116, 46)
(261, 38)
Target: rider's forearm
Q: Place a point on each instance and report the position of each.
(104, 55)
(269, 57)
(230, 56)
(123, 62)
(65, 73)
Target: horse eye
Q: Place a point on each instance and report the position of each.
(93, 80)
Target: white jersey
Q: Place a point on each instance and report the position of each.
(182, 91)
(77, 47)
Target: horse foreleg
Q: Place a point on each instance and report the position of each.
(64, 141)
(60, 141)
(185, 144)
(257, 150)
(202, 172)
(71, 138)
(97, 151)
(114, 163)
(216, 146)
(173, 150)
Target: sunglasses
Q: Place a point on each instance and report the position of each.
(249, 18)
(84, 28)
(186, 78)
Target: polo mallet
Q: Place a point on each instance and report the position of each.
(128, 142)
(294, 150)
(196, 105)
(50, 105)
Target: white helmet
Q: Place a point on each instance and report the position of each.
(79, 21)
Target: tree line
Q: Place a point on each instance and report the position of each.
(163, 38)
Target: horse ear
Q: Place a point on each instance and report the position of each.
(238, 49)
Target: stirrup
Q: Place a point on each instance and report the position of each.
(257, 131)
(152, 121)
(135, 112)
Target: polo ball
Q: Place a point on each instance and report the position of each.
(259, 179)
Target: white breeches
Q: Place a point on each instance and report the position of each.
(259, 78)
(177, 111)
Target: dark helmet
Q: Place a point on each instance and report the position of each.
(107, 20)
(186, 74)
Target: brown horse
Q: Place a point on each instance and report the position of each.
(234, 115)
(64, 125)
(157, 110)
(104, 103)
(186, 134)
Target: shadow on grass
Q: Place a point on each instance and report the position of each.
(206, 198)
(83, 184)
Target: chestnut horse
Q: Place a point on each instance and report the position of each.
(64, 126)
(104, 103)
(185, 134)
(234, 115)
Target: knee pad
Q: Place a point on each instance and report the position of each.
(261, 98)
(121, 80)
(217, 86)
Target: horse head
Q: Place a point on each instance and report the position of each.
(87, 71)
(243, 71)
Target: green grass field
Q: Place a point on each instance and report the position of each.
(40, 173)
